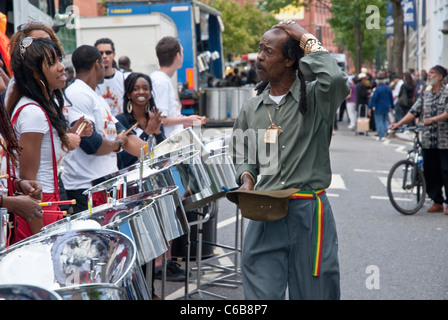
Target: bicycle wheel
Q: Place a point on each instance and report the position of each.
(406, 187)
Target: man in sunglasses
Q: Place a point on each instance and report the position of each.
(112, 89)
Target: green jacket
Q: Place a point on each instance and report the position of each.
(300, 158)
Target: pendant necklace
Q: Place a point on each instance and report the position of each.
(273, 131)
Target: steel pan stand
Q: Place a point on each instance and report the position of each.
(232, 270)
(199, 223)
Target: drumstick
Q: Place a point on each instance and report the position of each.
(47, 204)
(81, 128)
(5, 176)
(131, 128)
(64, 213)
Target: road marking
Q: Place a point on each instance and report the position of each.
(371, 171)
(226, 222)
(379, 197)
(337, 182)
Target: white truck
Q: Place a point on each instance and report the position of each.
(134, 36)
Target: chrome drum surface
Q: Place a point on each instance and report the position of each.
(77, 259)
(26, 292)
(137, 219)
(169, 210)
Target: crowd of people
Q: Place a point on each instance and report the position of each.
(65, 127)
(415, 98)
(236, 78)
(395, 97)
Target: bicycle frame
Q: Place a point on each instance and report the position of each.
(416, 151)
(411, 178)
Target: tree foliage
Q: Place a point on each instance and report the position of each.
(350, 16)
(276, 5)
(244, 25)
(347, 18)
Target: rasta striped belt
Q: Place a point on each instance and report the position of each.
(319, 224)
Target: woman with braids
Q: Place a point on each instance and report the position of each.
(139, 106)
(289, 127)
(35, 107)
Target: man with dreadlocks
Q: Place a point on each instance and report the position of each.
(293, 119)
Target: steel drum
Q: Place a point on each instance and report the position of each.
(180, 140)
(86, 264)
(155, 174)
(219, 162)
(169, 210)
(182, 167)
(137, 219)
(26, 292)
(216, 161)
(4, 219)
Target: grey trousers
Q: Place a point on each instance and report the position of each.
(280, 254)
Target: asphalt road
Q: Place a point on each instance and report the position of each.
(383, 254)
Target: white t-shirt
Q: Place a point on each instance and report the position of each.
(81, 168)
(112, 90)
(166, 100)
(33, 119)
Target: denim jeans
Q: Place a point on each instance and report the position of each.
(382, 123)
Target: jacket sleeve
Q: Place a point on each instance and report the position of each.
(331, 86)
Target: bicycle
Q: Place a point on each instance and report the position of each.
(406, 185)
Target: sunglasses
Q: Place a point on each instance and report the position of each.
(108, 52)
(26, 42)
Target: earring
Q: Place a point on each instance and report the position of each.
(129, 106)
(148, 107)
(43, 84)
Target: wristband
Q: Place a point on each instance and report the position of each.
(19, 186)
(121, 146)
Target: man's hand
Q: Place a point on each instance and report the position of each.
(292, 29)
(248, 182)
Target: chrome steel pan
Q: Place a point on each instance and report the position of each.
(76, 259)
(26, 292)
(169, 209)
(136, 219)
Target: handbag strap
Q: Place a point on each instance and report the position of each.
(55, 167)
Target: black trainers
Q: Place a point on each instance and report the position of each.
(173, 272)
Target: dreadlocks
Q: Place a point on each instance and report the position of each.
(292, 50)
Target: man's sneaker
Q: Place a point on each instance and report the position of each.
(173, 272)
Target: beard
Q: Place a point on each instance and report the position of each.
(434, 81)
